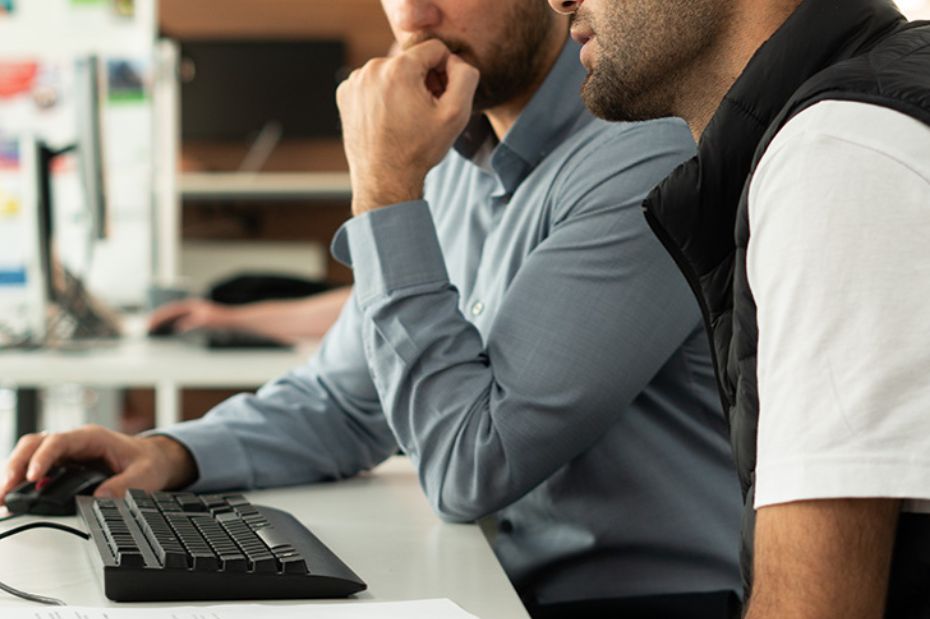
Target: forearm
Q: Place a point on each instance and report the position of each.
(290, 320)
(823, 559)
(320, 421)
(488, 417)
(177, 462)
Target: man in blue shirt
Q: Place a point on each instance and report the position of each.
(514, 328)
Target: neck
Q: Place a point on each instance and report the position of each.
(702, 91)
(503, 117)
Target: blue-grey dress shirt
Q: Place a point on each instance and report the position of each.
(521, 335)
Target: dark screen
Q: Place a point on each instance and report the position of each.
(231, 89)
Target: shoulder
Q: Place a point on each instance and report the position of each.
(853, 173)
(851, 125)
(616, 163)
(848, 142)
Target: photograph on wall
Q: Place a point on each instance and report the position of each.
(124, 8)
(7, 7)
(126, 80)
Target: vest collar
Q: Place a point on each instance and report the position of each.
(694, 210)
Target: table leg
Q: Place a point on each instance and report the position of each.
(167, 404)
(27, 411)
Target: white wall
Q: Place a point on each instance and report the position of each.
(915, 9)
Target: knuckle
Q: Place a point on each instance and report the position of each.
(30, 439)
(94, 432)
(52, 442)
(396, 66)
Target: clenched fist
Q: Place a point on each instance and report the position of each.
(400, 116)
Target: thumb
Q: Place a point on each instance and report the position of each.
(462, 84)
(115, 487)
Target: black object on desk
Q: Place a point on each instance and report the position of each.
(182, 546)
(55, 494)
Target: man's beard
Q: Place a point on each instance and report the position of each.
(647, 50)
(514, 63)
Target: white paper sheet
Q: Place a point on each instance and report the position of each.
(419, 609)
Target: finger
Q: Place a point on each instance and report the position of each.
(187, 325)
(428, 55)
(88, 443)
(15, 472)
(344, 88)
(462, 82)
(135, 476)
(169, 312)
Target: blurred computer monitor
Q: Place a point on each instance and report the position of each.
(89, 142)
(35, 230)
(70, 311)
(233, 90)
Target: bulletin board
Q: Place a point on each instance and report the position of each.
(40, 42)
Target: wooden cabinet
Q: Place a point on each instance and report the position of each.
(360, 23)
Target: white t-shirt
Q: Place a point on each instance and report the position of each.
(839, 265)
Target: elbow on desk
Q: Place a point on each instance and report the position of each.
(458, 505)
(457, 513)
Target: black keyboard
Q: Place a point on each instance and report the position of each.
(175, 546)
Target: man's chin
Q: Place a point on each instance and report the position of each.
(599, 103)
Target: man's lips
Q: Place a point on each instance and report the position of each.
(582, 36)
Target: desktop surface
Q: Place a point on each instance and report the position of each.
(379, 523)
(140, 361)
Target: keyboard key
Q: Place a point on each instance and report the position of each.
(293, 565)
(205, 561)
(130, 559)
(234, 563)
(190, 502)
(272, 538)
(236, 499)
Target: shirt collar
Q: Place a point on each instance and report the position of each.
(554, 112)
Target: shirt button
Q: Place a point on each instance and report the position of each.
(477, 308)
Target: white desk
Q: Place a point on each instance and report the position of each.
(380, 524)
(266, 186)
(137, 361)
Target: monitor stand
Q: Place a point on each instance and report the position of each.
(76, 315)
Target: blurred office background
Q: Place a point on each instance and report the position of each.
(260, 183)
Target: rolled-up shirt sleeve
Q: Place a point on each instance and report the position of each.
(594, 312)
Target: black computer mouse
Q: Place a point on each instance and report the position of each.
(165, 329)
(54, 494)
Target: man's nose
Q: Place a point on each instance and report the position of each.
(565, 6)
(414, 15)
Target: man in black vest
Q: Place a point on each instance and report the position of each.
(813, 118)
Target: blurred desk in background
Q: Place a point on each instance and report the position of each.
(167, 365)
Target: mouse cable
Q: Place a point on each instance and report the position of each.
(38, 525)
(11, 516)
(45, 525)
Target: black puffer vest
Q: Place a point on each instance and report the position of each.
(858, 50)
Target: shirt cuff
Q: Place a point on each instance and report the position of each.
(390, 249)
(222, 463)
